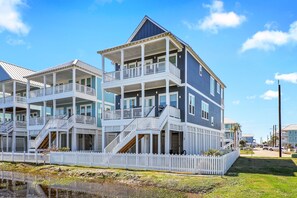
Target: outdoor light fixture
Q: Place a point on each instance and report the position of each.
(156, 92)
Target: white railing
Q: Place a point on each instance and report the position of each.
(8, 99)
(132, 72)
(128, 113)
(112, 76)
(21, 124)
(36, 93)
(63, 88)
(196, 164)
(25, 157)
(149, 69)
(49, 91)
(174, 112)
(36, 121)
(82, 119)
(6, 127)
(21, 99)
(1, 100)
(85, 89)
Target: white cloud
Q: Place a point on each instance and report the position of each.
(269, 95)
(251, 97)
(290, 77)
(270, 39)
(10, 17)
(15, 42)
(236, 102)
(217, 19)
(269, 82)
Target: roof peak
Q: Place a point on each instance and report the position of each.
(16, 65)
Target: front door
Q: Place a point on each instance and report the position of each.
(69, 112)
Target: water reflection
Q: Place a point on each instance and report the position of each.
(14, 184)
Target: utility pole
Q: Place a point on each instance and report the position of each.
(279, 121)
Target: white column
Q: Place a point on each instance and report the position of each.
(167, 54)
(57, 139)
(7, 142)
(167, 139)
(74, 107)
(14, 91)
(142, 59)
(73, 79)
(159, 142)
(167, 93)
(44, 85)
(54, 107)
(122, 63)
(3, 91)
(44, 112)
(103, 139)
(142, 98)
(103, 103)
(136, 149)
(151, 143)
(103, 63)
(83, 142)
(49, 139)
(28, 121)
(3, 115)
(73, 139)
(96, 139)
(96, 113)
(67, 139)
(13, 132)
(122, 102)
(54, 82)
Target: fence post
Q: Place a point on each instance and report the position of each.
(62, 156)
(108, 160)
(36, 161)
(2, 155)
(91, 158)
(12, 157)
(49, 158)
(126, 165)
(24, 156)
(170, 163)
(76, 158)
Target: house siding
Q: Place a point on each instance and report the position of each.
(147, 30)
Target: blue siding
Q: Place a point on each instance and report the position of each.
(201, 83)
(214, 111)
(4, 75)
(148, 29)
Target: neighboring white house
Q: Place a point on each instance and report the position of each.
(229, 133)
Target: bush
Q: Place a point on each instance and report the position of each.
(294, 155)
(213, 152)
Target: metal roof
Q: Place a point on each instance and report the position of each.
(14, 72)
(229, 121)
(291, 127)
(78, 63)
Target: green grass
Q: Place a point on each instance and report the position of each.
(246, 152)
(249, 176)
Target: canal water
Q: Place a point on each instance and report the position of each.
(14, 184)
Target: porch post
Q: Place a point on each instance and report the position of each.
(54, 82)
(54, 107)
(67, 139)
(44, 112)
(44, 85)
(122, 63)
(7, 142)
(73, 79)
(57, 139)
(122, 102)
(103, 65)
(151, 142)
(73, 136)
(28, 121)
(14, 91)
(136, 149)
(103, 140)
(142, 98)
(96, 113)
(96, 141)
(3, 92)
(167, 139)
(3, 116)
(103, 103)
(83, 142)
(142, 58)
(167, 93)
(14, 126)
(159, 142)
(49, 140)
(167, 54)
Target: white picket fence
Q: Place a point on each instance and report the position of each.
(210, 165)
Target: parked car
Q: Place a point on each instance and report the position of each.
(275, 148)
(265, 147)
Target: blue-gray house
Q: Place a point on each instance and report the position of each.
(167, 99)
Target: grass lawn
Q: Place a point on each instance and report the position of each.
(248, 177)
(260, 177)
(246, 152)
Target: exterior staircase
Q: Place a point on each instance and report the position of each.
(42, 139)
(127, 138)
(6, 128)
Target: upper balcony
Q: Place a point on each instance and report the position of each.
(74, 79)
(149, 60)
(13, 93)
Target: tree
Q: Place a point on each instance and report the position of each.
(235, 128)
(242, 143)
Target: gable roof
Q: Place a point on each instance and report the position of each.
(13, 72)
(162, 30)
(76, 62)
(291, 127)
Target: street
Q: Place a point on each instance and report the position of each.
(259, 152)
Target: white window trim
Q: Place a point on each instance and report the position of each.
(212, 91)
(170, 93)
(212, 121)
(86, 106)
(174, 54)
(218, 88)
(202, 102)
(191, 95)
(135, 104)
(147, 97)
(200, 70)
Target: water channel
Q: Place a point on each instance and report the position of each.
(13, 184)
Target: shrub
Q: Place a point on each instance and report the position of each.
(213, 152)
(294, 155)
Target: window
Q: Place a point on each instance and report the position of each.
(172, 59)
(191, 104)
(89, 111)
(218, 88)
(88, 82)
(173, 100)
(200, 70)
(212, 122)
(204, 110)
(129, 103)
(212, 84)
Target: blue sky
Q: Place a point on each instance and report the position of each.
(248, 44)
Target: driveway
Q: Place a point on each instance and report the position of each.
(258, 152)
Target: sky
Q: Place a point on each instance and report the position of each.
(250, 45)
